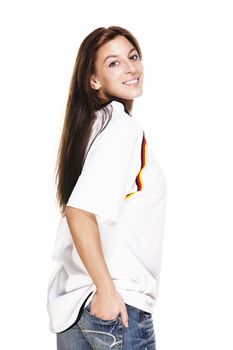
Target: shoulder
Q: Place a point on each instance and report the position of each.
(120, 137)
(121, 124)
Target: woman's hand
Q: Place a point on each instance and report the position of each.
(108, 305)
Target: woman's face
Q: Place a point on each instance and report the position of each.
(117, 63)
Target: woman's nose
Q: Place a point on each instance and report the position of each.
(130, 67)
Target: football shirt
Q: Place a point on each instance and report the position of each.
(123, 185)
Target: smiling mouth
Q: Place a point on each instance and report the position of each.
(132, 81)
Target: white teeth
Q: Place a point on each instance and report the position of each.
(131, 81)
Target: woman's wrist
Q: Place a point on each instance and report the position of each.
(106, 288)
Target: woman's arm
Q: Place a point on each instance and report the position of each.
(107, 303)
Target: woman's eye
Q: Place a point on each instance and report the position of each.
(112, 63)
(134, 55)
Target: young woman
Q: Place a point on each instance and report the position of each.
(112, 195)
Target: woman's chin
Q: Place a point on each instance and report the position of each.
(131, 95)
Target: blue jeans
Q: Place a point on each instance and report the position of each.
(91, 332)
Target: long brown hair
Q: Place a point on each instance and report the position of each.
(82, 103)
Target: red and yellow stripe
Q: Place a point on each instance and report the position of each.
(139, 179)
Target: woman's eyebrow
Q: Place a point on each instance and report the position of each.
(109, 56)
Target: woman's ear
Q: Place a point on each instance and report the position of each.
(94, 83)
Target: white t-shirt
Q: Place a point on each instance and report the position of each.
(123, 185)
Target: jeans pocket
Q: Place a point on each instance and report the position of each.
(96, 319)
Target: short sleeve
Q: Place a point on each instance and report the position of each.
(102, 184)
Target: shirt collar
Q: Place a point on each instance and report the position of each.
(116, 106)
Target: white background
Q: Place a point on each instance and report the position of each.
(186, 111)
